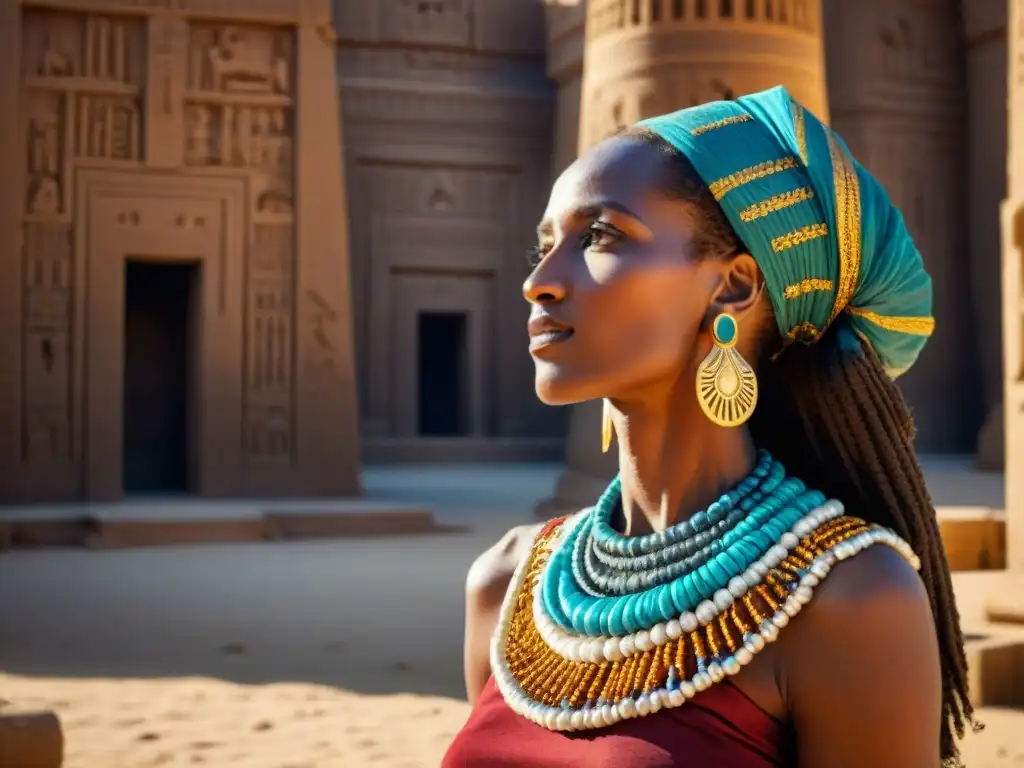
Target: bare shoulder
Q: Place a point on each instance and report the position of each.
(496, 565)
(877, 591)
(878, 580)
(866, 642)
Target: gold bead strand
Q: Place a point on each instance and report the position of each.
(611, 683)
(723, 627)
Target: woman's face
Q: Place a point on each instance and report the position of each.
(618, 299)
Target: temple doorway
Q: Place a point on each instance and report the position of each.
(158, 298)
(442, 372)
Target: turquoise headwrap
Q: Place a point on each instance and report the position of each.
(831, 245)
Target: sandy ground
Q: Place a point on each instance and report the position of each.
(314, 654)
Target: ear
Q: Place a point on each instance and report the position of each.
(740, 287)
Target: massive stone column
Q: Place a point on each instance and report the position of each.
(1013, 295)
(897, 91)
(985, 26)
(643, 58)
(565, 23)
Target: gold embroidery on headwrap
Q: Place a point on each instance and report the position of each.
(801, 130)
(708, 127)
(805, 331)
(776, 203)
(798, 236)
(733, 180)
(810, 285)
(917, 326)
(847, 188)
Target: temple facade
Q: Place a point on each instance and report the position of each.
(256, 242)
(171, 318)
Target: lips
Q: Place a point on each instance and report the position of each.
(545, 331)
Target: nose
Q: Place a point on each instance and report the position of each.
(543, 286)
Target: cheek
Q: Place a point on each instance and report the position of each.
(649, 317)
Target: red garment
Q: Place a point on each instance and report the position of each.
(720, 728)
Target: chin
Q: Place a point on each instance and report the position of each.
(555, 387)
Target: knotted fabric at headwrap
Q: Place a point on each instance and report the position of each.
(832, 247)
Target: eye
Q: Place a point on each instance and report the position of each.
(600, 235)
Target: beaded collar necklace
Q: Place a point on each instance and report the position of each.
(598, 627)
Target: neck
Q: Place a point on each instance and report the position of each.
(673, 461)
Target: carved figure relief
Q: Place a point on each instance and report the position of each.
(241, 59)
(44, 143)
(202, 146)
(55, 63)
(240, 110)
(46, 351)
(434, 21)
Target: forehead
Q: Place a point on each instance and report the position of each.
(621, 169)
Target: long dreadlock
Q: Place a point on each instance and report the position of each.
(860, 432)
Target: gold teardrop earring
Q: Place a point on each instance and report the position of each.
(726, 384)
(607, 429)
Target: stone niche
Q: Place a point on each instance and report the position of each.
(181, 325)
(448, 120)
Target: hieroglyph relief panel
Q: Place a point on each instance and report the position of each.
(240, 114)
(239, 107)
(81, 89)
(46, 346)
(82, 78)
(270, 343)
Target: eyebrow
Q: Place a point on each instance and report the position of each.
(591, 211)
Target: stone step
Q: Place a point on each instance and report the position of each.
(126, 525)
(974, 537)
(30, 738)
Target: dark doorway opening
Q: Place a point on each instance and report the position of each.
(156, 375)
(442, 374)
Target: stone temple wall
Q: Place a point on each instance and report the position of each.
(448, 118)
(160, 133)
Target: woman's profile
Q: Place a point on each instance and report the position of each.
(763, 584)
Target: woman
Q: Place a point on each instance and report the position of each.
(654, 629)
